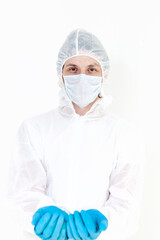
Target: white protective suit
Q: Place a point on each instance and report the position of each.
(78, 162)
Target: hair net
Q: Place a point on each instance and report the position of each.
(81, 42)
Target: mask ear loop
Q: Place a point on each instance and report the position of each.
(101, 94)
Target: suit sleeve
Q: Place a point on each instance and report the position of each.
(27, 177)
(122, 208)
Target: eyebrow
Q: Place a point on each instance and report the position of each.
(91, 65)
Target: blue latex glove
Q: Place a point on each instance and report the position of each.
(87, 225)
(76, 228)
(98, 218)
(50, 223)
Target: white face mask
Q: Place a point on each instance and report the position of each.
(82, 89)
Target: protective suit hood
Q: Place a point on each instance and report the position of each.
(81, 42)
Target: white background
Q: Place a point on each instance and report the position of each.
(31, 34)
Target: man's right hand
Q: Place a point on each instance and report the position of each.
(50, 223)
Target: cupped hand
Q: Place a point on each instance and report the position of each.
(50, 223)
(86, 225)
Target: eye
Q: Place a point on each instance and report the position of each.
(93, 69)
(72, 68)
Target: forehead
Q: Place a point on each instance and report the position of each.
(82, 61)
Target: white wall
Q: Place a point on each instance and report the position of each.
(32, 33)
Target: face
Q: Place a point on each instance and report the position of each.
(82, 65)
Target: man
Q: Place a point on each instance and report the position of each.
(77, 170)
